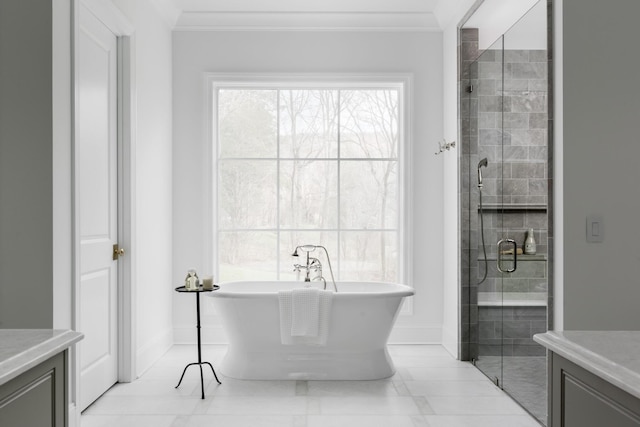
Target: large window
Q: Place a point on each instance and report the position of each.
(308, 165)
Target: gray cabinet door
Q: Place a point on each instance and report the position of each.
(581, 399)
(37, 398)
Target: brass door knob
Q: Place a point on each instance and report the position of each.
(117, 252)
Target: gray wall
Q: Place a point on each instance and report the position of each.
(26, 225)
(601, 165)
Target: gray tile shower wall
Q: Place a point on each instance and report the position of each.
(512, 125)
(531, 276)
(512, 134)
(508, 331)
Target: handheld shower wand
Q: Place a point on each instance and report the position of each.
(482, 163)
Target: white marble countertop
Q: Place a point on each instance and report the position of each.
(22, 349)
(612, 355)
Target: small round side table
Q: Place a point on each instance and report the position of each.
(200, 289)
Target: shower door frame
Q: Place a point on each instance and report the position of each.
(485, 220)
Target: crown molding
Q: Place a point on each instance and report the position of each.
(307, 21)
(413, 6)
(109, 14)
(167, 10)
(452, 11)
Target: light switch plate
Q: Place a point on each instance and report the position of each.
(595, 229)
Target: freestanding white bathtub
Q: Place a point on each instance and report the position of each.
(362, 315)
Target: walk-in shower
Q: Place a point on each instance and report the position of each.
(504, 176)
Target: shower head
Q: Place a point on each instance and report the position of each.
(484, 162)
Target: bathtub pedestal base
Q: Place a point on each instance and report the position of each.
(310, 365)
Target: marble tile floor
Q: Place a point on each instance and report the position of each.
(523, 377)
(429, 389)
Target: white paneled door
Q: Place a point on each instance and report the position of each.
(96, 201)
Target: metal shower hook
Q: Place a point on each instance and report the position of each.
(445, 146)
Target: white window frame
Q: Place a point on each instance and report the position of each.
(402, 82)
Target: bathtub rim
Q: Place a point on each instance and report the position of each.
(400, 291)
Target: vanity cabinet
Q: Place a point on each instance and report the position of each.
(582, 399)
(37, 397)
(594, 378)
(34, 377)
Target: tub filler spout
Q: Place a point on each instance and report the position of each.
(313, 264)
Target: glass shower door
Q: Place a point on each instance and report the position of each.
(486, 188)
(524, 208)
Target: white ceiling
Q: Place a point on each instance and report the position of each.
(523, 22)
(407, 15)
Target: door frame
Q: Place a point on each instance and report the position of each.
(115, 21)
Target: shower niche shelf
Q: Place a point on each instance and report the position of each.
(515, 207)
(522, 257)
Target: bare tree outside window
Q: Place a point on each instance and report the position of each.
(308, 166)
(369, 130)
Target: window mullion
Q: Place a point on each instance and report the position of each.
(216, 178)
(278, 237)
(338, 224)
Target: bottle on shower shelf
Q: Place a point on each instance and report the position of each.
(530, 243)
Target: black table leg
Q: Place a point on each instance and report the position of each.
(198, 326)
(201, 380)
(199, 362)
(214, 372)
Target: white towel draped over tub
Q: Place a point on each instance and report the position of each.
(304, 316)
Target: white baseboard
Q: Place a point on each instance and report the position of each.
(74, 415)
(151, 351)
(450, 341)
(399, 335)
(416, 335)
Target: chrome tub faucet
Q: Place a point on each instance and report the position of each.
(313, 265)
